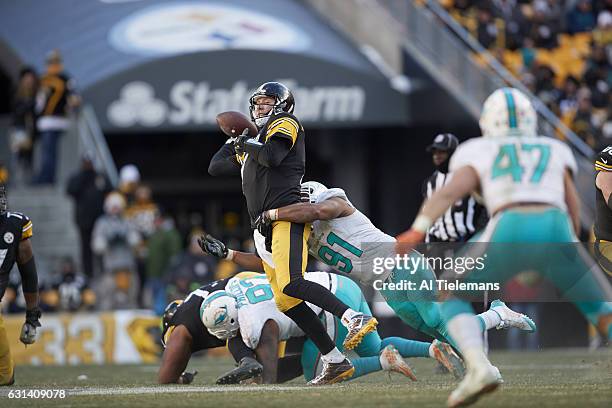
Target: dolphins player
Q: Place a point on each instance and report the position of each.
(527, 185)
(247, 305)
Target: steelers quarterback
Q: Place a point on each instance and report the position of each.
(15, 246)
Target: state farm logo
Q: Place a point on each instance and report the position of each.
(137, 105)
(197, 103)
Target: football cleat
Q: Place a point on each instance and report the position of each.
(392, 361)
(446, 356)
(247, 368)
(333, 373)
(478, 381)
(358, 327)
(510, 318)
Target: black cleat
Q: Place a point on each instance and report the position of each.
(247, 368)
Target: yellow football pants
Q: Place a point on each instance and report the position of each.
(290, 256)
(6, 360)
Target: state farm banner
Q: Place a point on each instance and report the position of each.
(121, 337)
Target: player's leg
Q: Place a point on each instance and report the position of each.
(6, 360)
(290, 254)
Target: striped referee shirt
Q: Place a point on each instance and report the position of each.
(461, 221)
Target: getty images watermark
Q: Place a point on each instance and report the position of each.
(421, 276)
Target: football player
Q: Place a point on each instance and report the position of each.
(603, 214)
(15, 247)
(272, 165)
(183, 334)
(345, 239)
(527, 185)
(247, 303)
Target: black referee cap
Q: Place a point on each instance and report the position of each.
(444, 141)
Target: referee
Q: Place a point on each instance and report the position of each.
(465, 217)
(273, 165)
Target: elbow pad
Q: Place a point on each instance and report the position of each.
(29, 277)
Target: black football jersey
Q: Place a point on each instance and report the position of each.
(14, 227)
(603, 214)
(188, 315)
(266, 188)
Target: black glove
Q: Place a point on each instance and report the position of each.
(28, 330)
(187, 377)
(212, 246)
(240, 141)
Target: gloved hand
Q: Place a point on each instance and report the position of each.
(240, 141)
(212, 246)
(187, 377)
(28, 330)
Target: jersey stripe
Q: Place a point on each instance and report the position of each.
(512, 119)
(602, 166)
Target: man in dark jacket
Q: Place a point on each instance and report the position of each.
(88, 188)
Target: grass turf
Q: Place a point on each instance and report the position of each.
(559, 378)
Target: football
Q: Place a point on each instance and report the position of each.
(233, 123)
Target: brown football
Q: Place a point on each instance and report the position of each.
(233, 123)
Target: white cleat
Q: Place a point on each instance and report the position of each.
(477, 382)
(510, 318)
(391, 361)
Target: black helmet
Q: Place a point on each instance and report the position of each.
(283, 100)
(166, 317)
(3, 200)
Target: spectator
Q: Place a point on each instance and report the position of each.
(70, 289)
(544, 31)
(602, 35)
(164, 244)
(581, 18)
(114, 239)
(486, 29)
(88, 189)
(191, 268)
(56, 97)
(582, 122)
(568, 98)
(528, 53)
(129, 179)
(141, 214)
(23, 129)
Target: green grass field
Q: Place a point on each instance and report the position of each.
(560, 378)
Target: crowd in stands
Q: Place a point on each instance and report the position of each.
(560, 49)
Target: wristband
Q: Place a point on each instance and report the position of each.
(421, 223)
(230, 255)
(273, 214)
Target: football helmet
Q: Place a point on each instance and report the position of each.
(3, 200)
(219, 313)
(283, 101)
(166, 317)
(310, 190)
(508, 112)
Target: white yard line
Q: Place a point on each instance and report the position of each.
(182, 389)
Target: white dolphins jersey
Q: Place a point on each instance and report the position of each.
(256, 305)
(347, 244)
(517, 169)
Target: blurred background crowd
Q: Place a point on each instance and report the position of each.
(561, 50)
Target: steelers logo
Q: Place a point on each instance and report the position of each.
(9, 237)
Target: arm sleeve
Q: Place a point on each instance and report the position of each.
(271, 153)
(224, 162)
(29, 277)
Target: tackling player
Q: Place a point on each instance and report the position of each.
(272, 165)
(345, 239)
(15, 246)
(183, 334)
(527, 185)
(248, 301)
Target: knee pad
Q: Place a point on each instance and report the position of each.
(284, 302)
